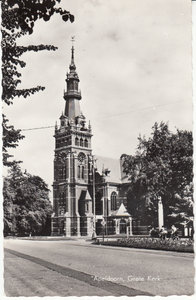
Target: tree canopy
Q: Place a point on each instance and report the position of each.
(18, 19)
(162, 166)
(27, 207)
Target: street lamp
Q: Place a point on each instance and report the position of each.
(105, 172)
(94, 207)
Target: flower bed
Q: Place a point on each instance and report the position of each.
(181, 245)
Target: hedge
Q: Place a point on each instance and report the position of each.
(181, 245)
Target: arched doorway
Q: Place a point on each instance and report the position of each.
(123, 226)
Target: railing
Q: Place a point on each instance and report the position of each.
(72, 93)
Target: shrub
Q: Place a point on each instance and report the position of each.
(181, 245)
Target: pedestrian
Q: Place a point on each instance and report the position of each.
(174, 234)
(163, 233)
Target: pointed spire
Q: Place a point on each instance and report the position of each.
(72, 66)
(72, 94)
(72, 55)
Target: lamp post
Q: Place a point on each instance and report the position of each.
(105, 172)
(94, 207)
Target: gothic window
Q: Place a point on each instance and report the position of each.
(61, 172)
(113, 201)
(81, 157)
(77, 141)
(86, 143)
(81, 142)
(81, 162)
(82, 172)
(78, 171)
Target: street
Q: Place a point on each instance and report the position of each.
(78, 268)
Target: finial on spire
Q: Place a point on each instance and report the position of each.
(72, 50)
(73, 40)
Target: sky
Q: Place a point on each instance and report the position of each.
(134, 62)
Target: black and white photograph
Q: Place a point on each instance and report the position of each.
(97, 148)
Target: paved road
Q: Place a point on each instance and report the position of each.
(78, 268)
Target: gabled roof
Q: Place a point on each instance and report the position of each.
(88, 197)
(122, 212)
(112, 164)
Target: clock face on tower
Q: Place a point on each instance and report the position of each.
(81, 157)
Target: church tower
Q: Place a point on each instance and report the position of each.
(72, 203)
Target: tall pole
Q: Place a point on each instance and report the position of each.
(105, 173)
(106, 194)
(160, 213)
(103, 222)
(94, 207)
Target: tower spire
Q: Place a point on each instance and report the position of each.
(72, 55)
(72, 66)
(72, 95)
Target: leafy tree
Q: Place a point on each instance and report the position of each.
(10, 139)
(162, 166)
(18, 19)
(27, 207)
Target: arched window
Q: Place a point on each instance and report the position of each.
(86, 143)
(82, 175)
(113, 201)
(78, 171)
(64, 172)
(81, 142)
(77, 141)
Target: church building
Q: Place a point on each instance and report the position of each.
(72, 202)
(87, 198)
